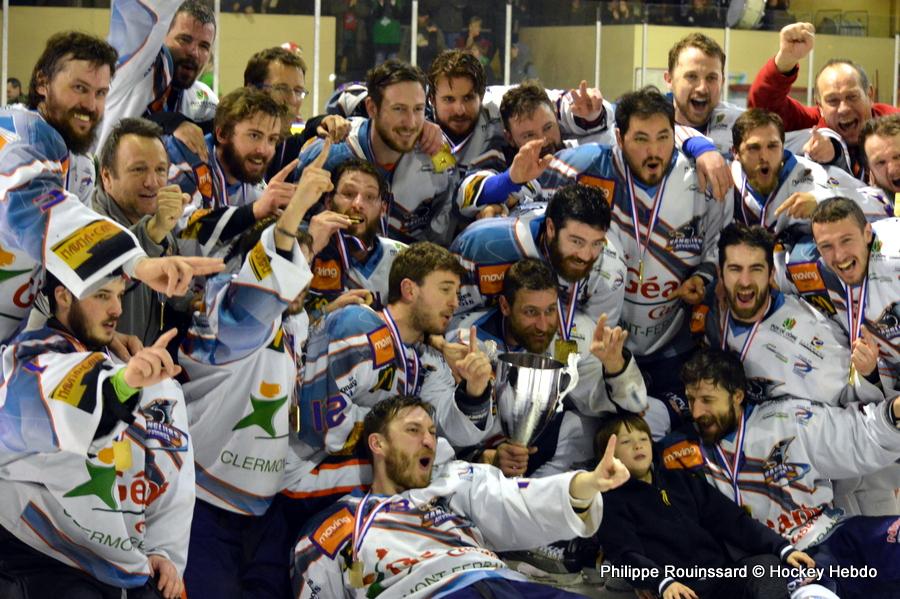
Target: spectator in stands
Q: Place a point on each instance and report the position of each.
(880, 141)
(430, 41)
(98, 475)
(400, 436)
(134, 171)
(845, 99)
(14, 91)
(790, 488)
(702, 527)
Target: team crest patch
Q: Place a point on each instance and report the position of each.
(490, 278)
(332, 533)
(686, 238)
(606, 186)
(683, 456)
(888, 323)
(160, 427)
(382, 347)
(777, 470)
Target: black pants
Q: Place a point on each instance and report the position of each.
(26, 573)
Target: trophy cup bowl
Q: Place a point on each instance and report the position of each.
(529, 392)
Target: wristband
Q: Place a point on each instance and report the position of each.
(284, 231)
(123, 390)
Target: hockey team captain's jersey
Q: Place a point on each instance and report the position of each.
(97, 501)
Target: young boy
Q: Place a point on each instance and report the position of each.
(664, 520)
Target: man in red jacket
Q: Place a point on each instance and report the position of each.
(844, 98)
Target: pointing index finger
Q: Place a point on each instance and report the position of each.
(281, 175)
(163, 340)
(473, 340)
(319, 161)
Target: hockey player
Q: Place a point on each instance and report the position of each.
(162, 53)
(771, 459)
(570, 235)
(527, 319)
(242, 373)
(666, 227)
(421, 532)
(854, 280)
(356, 257)
(420, 207)
(98, 473)
(880, 140)
(40, 221)
(790, 349)
(844, 98)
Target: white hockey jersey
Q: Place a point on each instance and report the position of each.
(242, 375)
(791, 448)
(431, 541)
(100, 504)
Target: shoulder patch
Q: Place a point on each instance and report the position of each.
(685, 455)
(490, 278)
(71, 388)
(606, 186)
(326, 275)
(204, 180)
(76, 249)
(698, 319)
(331, 534)
(806, 277)
(382, 347)
(259, 262)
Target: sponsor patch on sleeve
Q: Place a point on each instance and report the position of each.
(204, 181)
(77, 248)
(683, 456)
(806, 277)
(326, 275)
(698, 319)
(332, 533)
(607, 186)
(72, 388)
(490, 278)
(382, 347)
(259, 262)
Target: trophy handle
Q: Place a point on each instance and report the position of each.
(571, 372)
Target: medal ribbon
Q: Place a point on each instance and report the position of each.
(361, 525)
(220, 185)
(654, 215)
(856, 311)
(345, 254)
(746, 196)
(749, 340)
(732, 470)
(567, 319)
(410, 367)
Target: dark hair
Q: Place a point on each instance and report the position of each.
(715, 366)
(754, 119)
(390, 72)
(417, 262)
(457, 63)
(883, 126)
(608, 428)
(242, 104)
(583, 203)
(14, 82)
(738, 233)
(257, 68)
(643, 103)
(860, 73)
(362, 166)
(838, 208)
(705, 44)
(197, 10)
(523, 100)
(49, 291)
(380, 416)
(127, 126)
(530, 274)
(68, 45)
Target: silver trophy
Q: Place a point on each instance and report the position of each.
(530, 389)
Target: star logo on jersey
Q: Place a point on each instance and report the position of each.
(100, 483)
(263, 410)
(777, 470)
(888, 323)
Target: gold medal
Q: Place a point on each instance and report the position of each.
(562, 348)
(641, 271)
(897, 204)
(294, 418)
(122, 455)
(443, 159)
(356, 575)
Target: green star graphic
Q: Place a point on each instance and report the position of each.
(9, 274)
(101, 484)
(263, 414)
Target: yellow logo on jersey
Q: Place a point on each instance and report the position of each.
(75, 249)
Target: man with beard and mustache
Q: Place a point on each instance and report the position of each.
(241, 373)
(844, 98)
(420, 207)
(358, 357)
(68, 89)
(78, 427)
(665, 226)
(854, 280)
(776, 460)
(162, 54)
(790, 349)
(436, 528)
(569, 235)
(356, 262)
(527, 320)
(880, 140)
